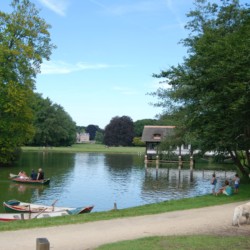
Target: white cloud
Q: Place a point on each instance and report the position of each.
(60, 67)
(58, 6)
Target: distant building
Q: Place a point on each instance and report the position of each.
(153, 135)
(82, 137)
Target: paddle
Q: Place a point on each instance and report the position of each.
(40, 213)
(53, 204)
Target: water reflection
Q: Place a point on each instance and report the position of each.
(104, 179)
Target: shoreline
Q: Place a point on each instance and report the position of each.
(214, 220)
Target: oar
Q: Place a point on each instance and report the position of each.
(40, 213)
(53, 204)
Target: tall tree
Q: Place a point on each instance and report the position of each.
(119, 132)
(24, 43)
(53, 126)
(139, 125)
(211, 88)
(99, 136)
(92, 129)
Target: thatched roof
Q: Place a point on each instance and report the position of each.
(156, 133)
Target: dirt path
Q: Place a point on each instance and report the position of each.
(210, 220)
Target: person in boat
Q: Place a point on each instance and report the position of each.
(33, 175)
(40, 175)
(23, 175)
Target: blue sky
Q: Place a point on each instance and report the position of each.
(107, 51)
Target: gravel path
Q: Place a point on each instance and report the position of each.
(210, 220)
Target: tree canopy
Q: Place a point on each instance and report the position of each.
(139, 125)
(92, 129)
(119, 132)
(24, 43)
(210, 91)
(53, 125)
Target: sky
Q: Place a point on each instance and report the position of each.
(107, 52)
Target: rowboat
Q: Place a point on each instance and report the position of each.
(28, 216)
(27, 180)
(15, 206)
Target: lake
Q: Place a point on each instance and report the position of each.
(99, 179)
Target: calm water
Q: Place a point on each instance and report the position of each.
(81, 179)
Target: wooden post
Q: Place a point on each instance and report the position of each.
(145, 158)
(191, 175)
(42, 244)
(191, 163)
(180, 162)
(157, 159)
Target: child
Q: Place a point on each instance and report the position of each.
(213, 182)
(236, 183)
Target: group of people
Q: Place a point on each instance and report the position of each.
(33, 176)
(227, 189)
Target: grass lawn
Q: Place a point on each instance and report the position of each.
(199, 242)
(96, 148)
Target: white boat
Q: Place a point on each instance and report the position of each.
(28, 216)
(15, 206)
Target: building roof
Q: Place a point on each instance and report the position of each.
(156, 133)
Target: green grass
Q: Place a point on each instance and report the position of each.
(198, 242)
(167, 206)
(95, 148)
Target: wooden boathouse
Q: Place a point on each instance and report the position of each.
(154, 135)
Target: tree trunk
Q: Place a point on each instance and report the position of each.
(238, 163)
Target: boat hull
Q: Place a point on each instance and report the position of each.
(28, 216)
(15, 206)
(34, 182)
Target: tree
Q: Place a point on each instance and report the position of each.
(24, 43)
(53, 126)
(211, 90)
(99, 136)
(80, 129)
(138, 142)
(119, 132)
(139, 125)
(92, 129)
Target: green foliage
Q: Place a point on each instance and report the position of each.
(80, 129)
(119, 132)
(209, 93)
(139, 125)
(54, 126)
(138, 142)
(99, 136)
(92, 129)
(24, 42)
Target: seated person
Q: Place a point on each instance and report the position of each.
(227, 189)
(33, 175)
(40, 175)
(23, 175)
